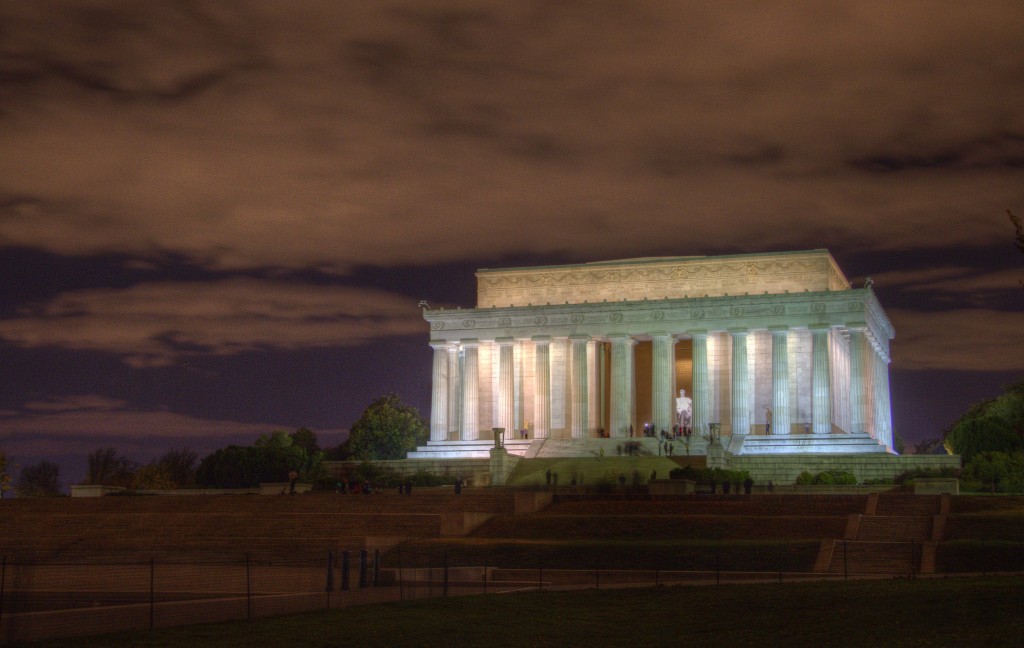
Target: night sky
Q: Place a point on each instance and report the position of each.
(217, 218)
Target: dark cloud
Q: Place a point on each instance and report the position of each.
(1000, 151)
(234, 184)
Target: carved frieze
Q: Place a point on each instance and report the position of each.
(669, 278)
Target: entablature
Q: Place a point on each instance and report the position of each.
(667, 316)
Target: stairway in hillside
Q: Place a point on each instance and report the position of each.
(896, 534)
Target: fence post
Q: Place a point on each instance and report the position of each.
(780, 563)
(248, 587)
(151, 591)
(846, 568)
(485, 575)
(718, 565)
(401, 580)
(984, 563)
(363, 560)
(913, 562)
(446, 572)
(540, 576)
(346, 564)
(376, 567)
(330, 576)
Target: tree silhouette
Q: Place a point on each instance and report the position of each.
(39, 480)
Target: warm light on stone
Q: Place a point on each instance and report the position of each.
(747, 336)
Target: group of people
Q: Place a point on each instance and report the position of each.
(356, 487)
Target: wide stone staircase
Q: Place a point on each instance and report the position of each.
(896, 534)
(232, 524)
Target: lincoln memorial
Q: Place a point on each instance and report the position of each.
(765, 353)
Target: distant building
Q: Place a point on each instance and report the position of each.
(777, 353)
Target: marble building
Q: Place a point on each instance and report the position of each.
(778, 352)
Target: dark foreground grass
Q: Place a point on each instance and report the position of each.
(940, 612)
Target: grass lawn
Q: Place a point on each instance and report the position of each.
(926, 612)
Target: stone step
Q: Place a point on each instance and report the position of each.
(805, 444)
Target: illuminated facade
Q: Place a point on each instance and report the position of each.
(602, 349)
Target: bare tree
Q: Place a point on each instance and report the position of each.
(1019, 237)
(5, 476)
(107, 468)
(180, 466)
(39, 480)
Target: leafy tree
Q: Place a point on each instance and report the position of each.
(39, 480)
(387, 429)
(999, 471)
(927, 446)
(5, 476)
(304, 457)
(107, 468)
(305, 439)
(995, 425)
(180, 466)
(270, 459)
(243, 467)
(154, 476)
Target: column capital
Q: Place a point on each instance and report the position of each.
(819, 328)
(738, 331)
(505, 341)
(579, 337)
(698, 333)
(541, 339)
(857, 326)
(439, 344)
(778, 330)
(621, 337)
(469, 343)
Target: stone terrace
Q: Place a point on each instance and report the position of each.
(165, 526)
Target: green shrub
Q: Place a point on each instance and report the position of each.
(827, 478)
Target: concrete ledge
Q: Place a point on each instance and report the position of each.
(936, 486)
(672, 487)
(531, 502)
(281, 488)
(95, 490)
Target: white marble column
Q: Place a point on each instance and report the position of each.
(506, 385)
(439, 392)
(858, 381)
(622, 385)
(593, 396)
(880, 384)
(662, 398)
(740, 384)
(580, 388)
(604, 412)
(454, 390)
(469, 423)
(701, 388)
(780, 380)
(821, 388)
(542, 387)
(886, 398)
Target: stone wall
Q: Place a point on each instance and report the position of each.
(476, 472)
(783, 469)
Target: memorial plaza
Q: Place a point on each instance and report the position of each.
(738, 356)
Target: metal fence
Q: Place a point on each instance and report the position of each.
(90, 594)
